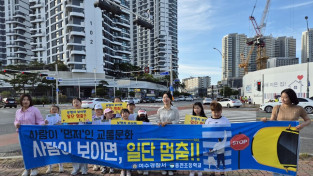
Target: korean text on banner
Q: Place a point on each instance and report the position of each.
(115, 107)
(76, 115)
(191, 119)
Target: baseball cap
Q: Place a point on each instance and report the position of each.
(98, 106)
(141, 111)
(107, 110)
(130, 102)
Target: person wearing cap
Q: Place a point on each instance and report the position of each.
(96, 120)
(131, 108)
(108, 114)
(98, 117)
(142, 116)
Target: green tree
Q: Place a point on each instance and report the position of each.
(5, 94)
(118, 93)
(131, 93)
(229, 91)
(102, 88)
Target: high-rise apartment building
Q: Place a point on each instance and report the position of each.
(156, 47)
(285, 47)
(232, 46)
(85, 38)
(2, 33)
(17, 28)
(307, 46)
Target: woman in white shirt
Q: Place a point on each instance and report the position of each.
(168, 114)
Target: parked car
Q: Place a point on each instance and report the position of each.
(228, 102)
(181, 98)
(136, 100)
(159, 99)
(91, 102)
(207, 101)
(188, 98)
(148, 99)
(10, 102)
(306, 103)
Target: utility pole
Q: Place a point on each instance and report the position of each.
(224, 73)
(308, 59)
(94, 72)
(171, 76)
(57, 83)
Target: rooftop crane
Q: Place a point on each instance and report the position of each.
(257, 41)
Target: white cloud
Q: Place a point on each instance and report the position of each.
(296, 5)
(195, 15)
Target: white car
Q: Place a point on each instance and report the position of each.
(306, 103)
(159, 99)
(207, 101)
(181, 98)
(188, 98)
(228, 102)
(136, 100)
(91, 102)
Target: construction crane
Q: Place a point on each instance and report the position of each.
(257, 41)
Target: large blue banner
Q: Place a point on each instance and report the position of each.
(271, 146)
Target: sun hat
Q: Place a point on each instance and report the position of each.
(141, 111)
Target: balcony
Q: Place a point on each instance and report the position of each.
(77, 33)
(38, 5)
(78, 14)
(79, 52)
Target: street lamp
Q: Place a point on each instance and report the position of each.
(308, 58)
(224, 73)
(94, 73)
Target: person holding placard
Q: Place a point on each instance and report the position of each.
(197, 110)
(28, 115)
(54, 119)
(168, 114)
(83, 167)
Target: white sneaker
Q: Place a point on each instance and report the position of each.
(145, 173)
(74, 171)
(192, 173)
(84, 169)
(25, 173)
(199, 173)
(95, 167)
(61, 169)
(111, 171)
(128, 173)
(163, 172)
(122, 172)
(49, 170)
(103, 170)
(139, 172)
(170, 173)
(33, 172)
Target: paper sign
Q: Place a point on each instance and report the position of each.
(197, 120)
(76, 115)
(115, 107)
(53, 119)
(125, 122)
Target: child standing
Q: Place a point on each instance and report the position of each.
(125, 116)
(142, 116)
(197, 110)
(54, 119)
(77, 104)
(217, 118)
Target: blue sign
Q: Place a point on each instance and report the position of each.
(171, 88)
(60, 79)
(270, 146)
(57, 89)
(176, 80)
(49, 78)
(164, 73)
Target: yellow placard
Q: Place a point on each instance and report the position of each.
(197, 120)
(125, 122)
(115, 107)
(76, 115)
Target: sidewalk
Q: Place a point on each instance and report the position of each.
(14, 167)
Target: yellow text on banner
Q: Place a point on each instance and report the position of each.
(115, 107)
(76, 115)
(191, 119)
(125, 122)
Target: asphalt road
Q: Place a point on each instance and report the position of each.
(7, 117)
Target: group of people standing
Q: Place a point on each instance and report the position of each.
(167, 114)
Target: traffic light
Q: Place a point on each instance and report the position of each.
(259, 85)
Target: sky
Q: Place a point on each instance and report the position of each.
(203, 23)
